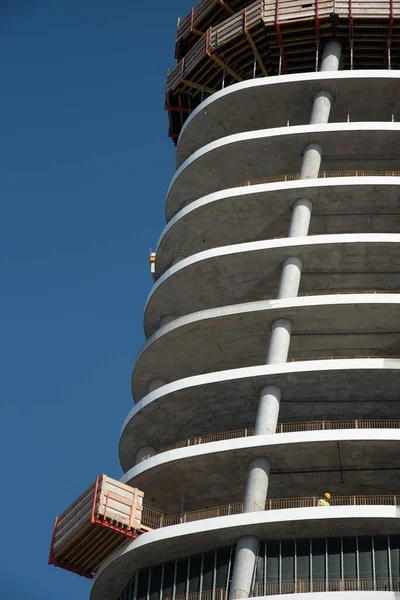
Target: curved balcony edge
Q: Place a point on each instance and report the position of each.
(282, 247)
(223, 157)
(178, 540)
(243, 333)
(256, 445)
(217, 102)
(281, 191)
(171, 399)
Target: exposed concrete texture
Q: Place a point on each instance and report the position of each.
(250, 213)
(268, 410)
(279, 341)
(311, 162)
(259, 469)
(227, 400)
(345, 462)
(301, 216)
(238, 335)
(143, 452)
(167, 319)
(255, 493)
(270, 101)
(321, 107)
(179, 540)
(290, 277)
(247, 272)
(232, 160)
(156, 383)
(331, 56)
(245, 557)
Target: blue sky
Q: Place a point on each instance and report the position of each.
(85, 163)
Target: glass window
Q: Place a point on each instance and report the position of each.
(168, 581)
(303, 560)
(287, 551)
(394, 556)
(208, 570)
(155, 582)
(349, 558)
(194, 573)
(334, 559)
(318, 563)
(365, 562)
(260, 563)
(272, 561)
(181, 576)
(142, 584)
(381, 562)
(223, 555)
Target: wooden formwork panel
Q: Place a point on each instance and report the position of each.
(282, 37)
(99, 521)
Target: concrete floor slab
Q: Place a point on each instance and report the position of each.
(270, 101)
(251, 271)
(238, 335)
(259, 212)
(342, 462)
(227, 400)
(201, 536)
(232, 160)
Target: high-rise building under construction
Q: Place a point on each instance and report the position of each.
(267, 394)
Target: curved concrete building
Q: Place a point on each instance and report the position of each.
(265, 432)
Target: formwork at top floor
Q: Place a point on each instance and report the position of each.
(273, 37)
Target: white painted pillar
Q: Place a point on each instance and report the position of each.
(331, 56)
(268, 410)
(255, 493)
(268, 407)
(246, 553)
(279, 341)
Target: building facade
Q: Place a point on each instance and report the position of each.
(270, 374)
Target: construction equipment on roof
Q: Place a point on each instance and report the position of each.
(102, 519)
(221, 42)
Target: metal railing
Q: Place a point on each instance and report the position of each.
(155, 518)
(304, 359)
(218, 594)
(300, 586)
(281, 428)
(322, 175)
(205, 439)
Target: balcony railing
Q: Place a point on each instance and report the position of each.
(155, 518)
(322, 175)
(300, 586)
(281, 428)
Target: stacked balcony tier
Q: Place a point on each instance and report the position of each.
(196, 381)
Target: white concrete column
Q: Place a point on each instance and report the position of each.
(279, 341)
(301, 217)
(311, 161)
(155, 384)
(290, 277)
(331, 56)
(242, 575)
(321, 107)
(256, 490)
(268, 410)
(268, 407)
